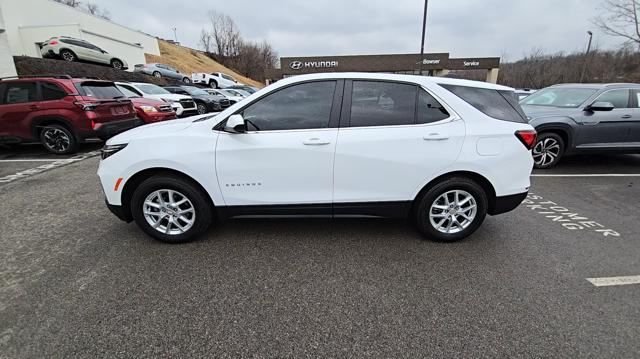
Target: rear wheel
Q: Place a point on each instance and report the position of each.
(171, 209)
(157, 74)
(58, 139)
(548, 150)
(451, 210)
(116, 64)
(186, 80)
(68, 55)
(213, 84)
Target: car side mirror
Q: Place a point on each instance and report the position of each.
(235, 124)
(600, 106)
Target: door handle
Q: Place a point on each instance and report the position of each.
(626, 116)
(434, 136)
(316, 142)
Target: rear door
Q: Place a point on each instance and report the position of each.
(607, 129)
(393, 136)
(19, 100)
(633, 138)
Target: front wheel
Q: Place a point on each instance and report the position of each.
(186, 80)
(451, 210)
(202, 109)
(548, 150)
(171, 209)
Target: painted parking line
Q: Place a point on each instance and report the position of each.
(32, 160)
(610, 281)
(589, 175)
(46, 167)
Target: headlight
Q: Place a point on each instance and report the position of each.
(109, 150)
(148, 109)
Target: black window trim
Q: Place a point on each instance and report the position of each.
(334, 117)
(345, 118)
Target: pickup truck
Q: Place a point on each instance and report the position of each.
(214, 80)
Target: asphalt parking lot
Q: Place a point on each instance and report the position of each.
(77, 282)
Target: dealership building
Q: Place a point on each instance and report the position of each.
(435, 64)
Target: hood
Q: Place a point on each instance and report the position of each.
(534, 112)
(153, 129)
(170, 96)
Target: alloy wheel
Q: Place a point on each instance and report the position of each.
(202, 109)
(169, 212)
(56, 139)
(546, 151)
(453, 211)
(67, 56)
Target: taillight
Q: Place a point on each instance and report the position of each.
(53, 42)
(527, 137)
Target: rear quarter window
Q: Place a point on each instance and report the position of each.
(499, 104)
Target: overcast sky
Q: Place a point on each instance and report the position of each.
(464, 28)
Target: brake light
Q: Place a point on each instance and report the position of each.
(53, 42)
(527, 137)
(87, 106)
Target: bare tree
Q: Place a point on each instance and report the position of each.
(94, 9)
(622, 20)
(224, 33)
(205, 41)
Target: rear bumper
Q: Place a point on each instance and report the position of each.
(506, 204)
(107, 129)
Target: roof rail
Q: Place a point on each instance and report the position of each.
(55, 76)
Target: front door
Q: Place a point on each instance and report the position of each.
(388, 146)
(286, 155)
(19, 100)
(606, 128)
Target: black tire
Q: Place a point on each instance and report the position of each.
(202, 208)
(157, 74)
(202, 108)
(548, 150)
(117, 64)
(68, 55)
(213, 84)
(58, 139)
(424, 204)
(186, 80)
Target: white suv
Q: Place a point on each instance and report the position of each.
(444, 152)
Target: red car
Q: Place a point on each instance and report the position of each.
(150, 110)
(61, 111)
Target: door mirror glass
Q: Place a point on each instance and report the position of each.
(235, 124)
(600, 106)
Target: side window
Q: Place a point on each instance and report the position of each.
(499, 104)
(228, 77)
(20, 92)
(376, 103)
(302, 106)
(51, 91)
(128, 91)
(619, 98)
(429, 109)
(636, 95)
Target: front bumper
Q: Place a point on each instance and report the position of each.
(118, 211)
(506, 204)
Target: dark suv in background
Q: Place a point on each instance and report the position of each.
(60, 111)
(583, 118)
(205, 101)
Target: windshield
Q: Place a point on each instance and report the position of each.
(559, 97)
(127, 92)
(230, 93)
(194, 91)
(152, 89)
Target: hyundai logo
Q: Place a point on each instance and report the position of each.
(295, 65)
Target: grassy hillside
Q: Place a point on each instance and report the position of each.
(188, 61)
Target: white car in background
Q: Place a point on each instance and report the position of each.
(443, 152)
(181, 104)
(214, 80)
(230, 95)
